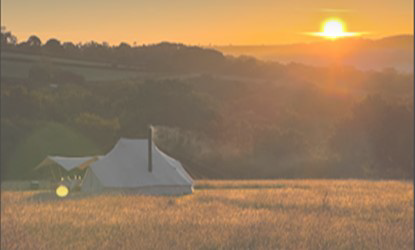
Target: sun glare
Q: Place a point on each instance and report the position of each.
(62, 191)
(333, 29)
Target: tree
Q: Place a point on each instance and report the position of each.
(53, 46)
(123, 53)
(71, 50)
(124, 46)
(377, 140)
(34, 41)
(33, 44)
(96, 51)
(7, 38)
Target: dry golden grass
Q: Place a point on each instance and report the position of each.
(283, 214)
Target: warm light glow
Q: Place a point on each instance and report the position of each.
(62, 191)
(233, 22)
(333, 29)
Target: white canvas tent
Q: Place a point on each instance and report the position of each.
(126, 167)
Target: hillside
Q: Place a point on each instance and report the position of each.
(389, 52)
(221, 116)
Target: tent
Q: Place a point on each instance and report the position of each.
(137, 165)
(60, 166)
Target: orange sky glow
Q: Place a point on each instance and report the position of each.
(201, 22)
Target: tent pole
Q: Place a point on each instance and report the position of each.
(150, 155)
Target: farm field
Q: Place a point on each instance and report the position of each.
(20, 69)
(18, 65)
(274, 214)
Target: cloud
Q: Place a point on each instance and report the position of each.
(335, 10)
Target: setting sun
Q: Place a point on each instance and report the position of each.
(333, 29)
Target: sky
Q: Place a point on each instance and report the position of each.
(196, 22)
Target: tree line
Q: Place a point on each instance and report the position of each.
(155, 57)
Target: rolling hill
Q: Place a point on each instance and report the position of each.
(365, 54)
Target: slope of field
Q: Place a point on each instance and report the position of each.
(283, 214)
(18, 65)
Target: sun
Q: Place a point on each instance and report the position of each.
(334, 28)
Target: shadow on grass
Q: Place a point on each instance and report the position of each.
(271, 206)
(250, 186)
(323, 207)
(50, 196)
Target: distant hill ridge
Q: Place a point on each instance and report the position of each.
(367, 54)
(398, 41)
(95, 61)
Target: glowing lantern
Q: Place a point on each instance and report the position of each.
(62, 191)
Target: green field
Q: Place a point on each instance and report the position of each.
(18, 65)
(280, 214)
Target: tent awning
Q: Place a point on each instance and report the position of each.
(68, 163)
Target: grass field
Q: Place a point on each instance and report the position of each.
(20, 69)
(280, 214)
(18, 65)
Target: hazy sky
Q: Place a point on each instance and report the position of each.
(200, 22)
